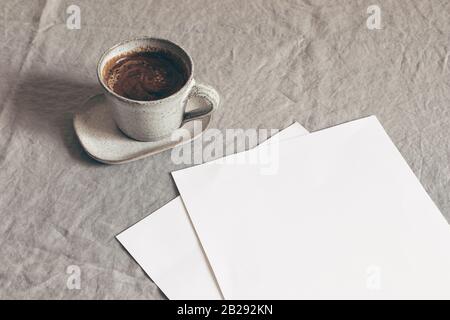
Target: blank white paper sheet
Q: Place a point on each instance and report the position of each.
(343, 217)
(165, 245)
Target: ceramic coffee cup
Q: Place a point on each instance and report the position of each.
(156, 119)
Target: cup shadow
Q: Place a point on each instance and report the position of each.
(47, 105)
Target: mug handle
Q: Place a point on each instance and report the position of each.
(205, 92)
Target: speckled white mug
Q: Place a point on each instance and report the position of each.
(156, 119)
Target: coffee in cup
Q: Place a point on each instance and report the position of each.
(145, 75)
(148, 82)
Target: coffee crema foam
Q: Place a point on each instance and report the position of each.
(144, 75)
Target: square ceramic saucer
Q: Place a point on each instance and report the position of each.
(103, 141)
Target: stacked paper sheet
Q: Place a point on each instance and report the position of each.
(341, 217)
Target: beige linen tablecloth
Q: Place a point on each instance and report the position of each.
(272, 61)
